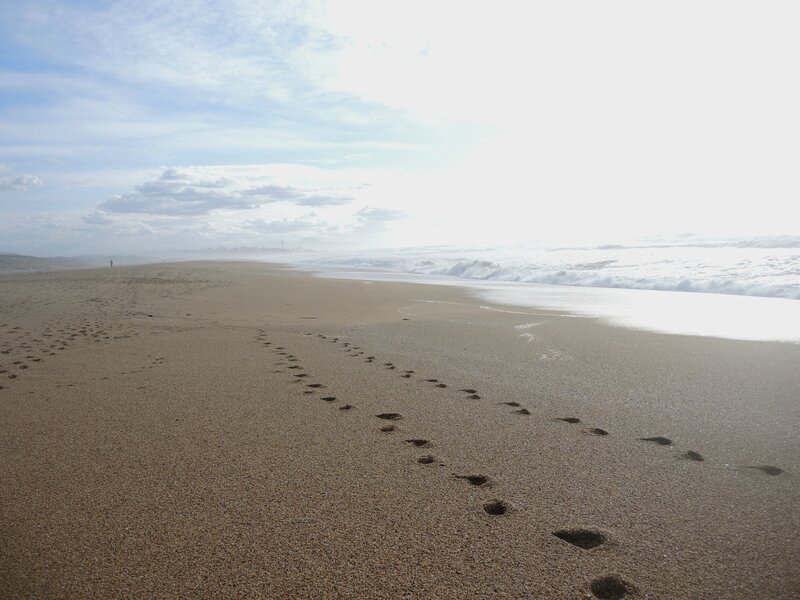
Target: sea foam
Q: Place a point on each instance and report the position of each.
(740, 268)
(741, 290)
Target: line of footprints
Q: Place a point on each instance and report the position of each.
(609, 587)
(27, 347)
(24, 347)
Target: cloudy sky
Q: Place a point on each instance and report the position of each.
(134, 126)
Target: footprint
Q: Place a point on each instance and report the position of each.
(660, 440)
(408, 372)
(328, 398)
(476, 480)
(390, 416)
(432, 380)
(426, 460)
(418, 443)
(522, 411)
(346, 407)
(511, 403)
(598, 431)
(496, 507)
(582, 538)
(469, 391)
(612, 587)
(388, 428)
(768, 469)
(301, 375)
(692, 455)
(315, 385)
(405, 375)
(441, 385)
(572, 420)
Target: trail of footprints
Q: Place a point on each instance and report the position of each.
(21, 348)
(607, 587)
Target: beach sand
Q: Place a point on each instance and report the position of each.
(215, 430)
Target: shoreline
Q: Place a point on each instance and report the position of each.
(167, 446)
(704, 314)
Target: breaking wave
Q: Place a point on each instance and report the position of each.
(747, 268)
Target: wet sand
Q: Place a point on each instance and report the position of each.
(236, 430)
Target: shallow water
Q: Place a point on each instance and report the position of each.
(738, 267)
(682, 313)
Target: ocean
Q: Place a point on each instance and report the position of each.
(740, 289)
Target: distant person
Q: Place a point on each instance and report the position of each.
(111, 262)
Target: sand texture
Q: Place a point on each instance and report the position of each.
(234, 430)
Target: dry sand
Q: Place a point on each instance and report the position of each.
(161, 439)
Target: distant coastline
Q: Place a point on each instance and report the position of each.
(11, 262)
(21, 263)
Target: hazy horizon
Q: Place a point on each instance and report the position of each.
(148, 127)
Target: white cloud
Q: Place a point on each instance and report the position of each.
(276, 193)
(21, 184)
(195, 207)
(196, 191)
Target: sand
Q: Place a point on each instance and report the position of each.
(238, 430)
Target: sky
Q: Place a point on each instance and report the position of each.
(147, 126)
